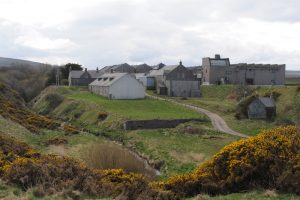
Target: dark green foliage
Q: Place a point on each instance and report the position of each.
(273, 94)
(54, 99)
(67, 68)
(242, 107)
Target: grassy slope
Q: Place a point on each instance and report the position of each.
(218, 99)
(180, 152)
(255, 195)
(138, 109)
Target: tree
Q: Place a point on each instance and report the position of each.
(68, 67)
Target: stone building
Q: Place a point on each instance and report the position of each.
(219, 71)
(262, 108)
(118, 86)
(82, 78)
(175, 80)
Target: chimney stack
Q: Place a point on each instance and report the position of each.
(97, 69)
(85, 69)
(217, 56)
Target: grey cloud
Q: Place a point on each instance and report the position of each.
(165, 31)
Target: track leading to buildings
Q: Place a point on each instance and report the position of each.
(217, 121)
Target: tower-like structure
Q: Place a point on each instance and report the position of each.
(214, 69)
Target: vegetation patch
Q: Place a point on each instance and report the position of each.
(102, 115)
(15, 110)
(56, 141)
(270, 160)
(23, 166)
(70, 129)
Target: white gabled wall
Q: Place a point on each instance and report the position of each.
(127, 88)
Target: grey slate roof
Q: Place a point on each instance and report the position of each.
(108, 79)
(268, 102)
(163, 71)
(120, 68)
(78, 74)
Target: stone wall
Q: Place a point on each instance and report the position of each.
(156, 123)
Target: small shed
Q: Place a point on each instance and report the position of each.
(118, 86)
(262, 108)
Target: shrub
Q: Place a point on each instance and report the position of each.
(242, 107)
(241, 91)
(56, 141)
(50, 173)
(15, 110)
(54, 99)
(102, 115)
(270, 160)
(273, 94)
(70, 129)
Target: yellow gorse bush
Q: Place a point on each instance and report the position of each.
(268, 160)
(23, 166)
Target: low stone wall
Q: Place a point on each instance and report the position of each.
(156, 123)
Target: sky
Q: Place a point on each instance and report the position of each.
(96, 33)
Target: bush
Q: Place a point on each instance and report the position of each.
(102, 115)
(56, 141)
(14, 109)
(242, 91)
(21, 165)
(242, 107)
(270, 160)
(273, 94)
(54, 99)
(71, 130)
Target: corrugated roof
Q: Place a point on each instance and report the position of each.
(108, 79)
(268, 102)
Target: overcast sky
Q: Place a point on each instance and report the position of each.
(96, 33)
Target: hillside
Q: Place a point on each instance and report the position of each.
(30, 172)
(171, 150)
(224, 99)
(10, 62)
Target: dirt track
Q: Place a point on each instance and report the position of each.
(217, 121)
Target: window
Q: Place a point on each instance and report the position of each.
(104, 79)
(112, 78)
(99, 79)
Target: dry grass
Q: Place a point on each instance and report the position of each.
(112, 156)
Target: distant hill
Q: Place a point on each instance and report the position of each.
(9, 62)
(290, 73)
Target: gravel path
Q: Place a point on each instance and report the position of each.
(217, 121)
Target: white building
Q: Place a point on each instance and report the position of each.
(118, 86)
(142, 78)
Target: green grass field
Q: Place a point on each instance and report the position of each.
(180, 152)
(138, 109)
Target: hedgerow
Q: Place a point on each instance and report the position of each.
(270, 160)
